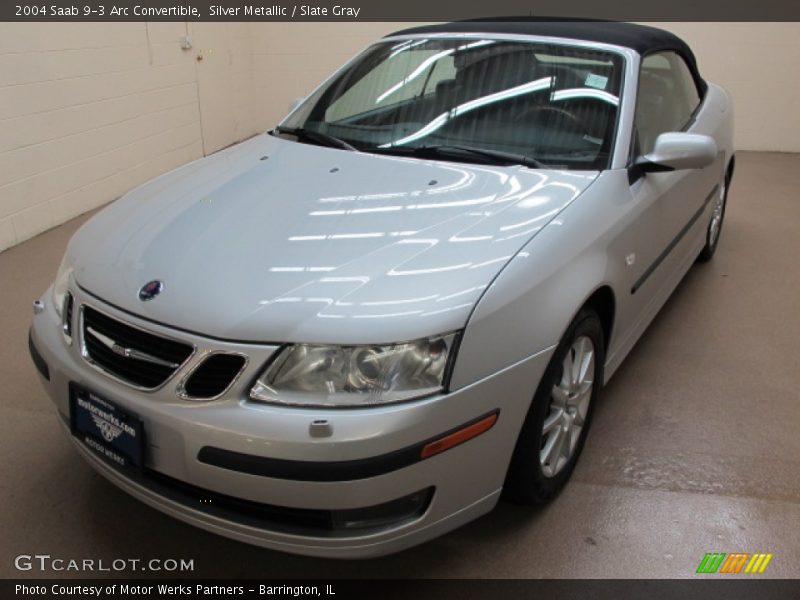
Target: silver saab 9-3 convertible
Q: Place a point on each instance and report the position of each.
(350, 334)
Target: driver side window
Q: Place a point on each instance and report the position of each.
(666, 99)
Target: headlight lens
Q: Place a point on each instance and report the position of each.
(316, 375)
(60, 286)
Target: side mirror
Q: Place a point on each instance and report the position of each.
(677, 150)
(295, 103)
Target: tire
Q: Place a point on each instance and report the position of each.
(714, 230)
(534, 475)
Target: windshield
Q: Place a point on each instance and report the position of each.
(546, 104)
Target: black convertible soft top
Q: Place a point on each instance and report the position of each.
(641, 38)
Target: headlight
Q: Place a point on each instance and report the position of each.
(61, 283)
(316, 375)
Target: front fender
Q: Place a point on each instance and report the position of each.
(532, 301)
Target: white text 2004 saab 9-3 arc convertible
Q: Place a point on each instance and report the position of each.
(349, 334)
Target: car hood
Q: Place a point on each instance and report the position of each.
(276, 241)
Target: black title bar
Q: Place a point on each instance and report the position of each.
(347, 589)
(394, 10)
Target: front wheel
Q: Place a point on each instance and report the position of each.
(558, 420)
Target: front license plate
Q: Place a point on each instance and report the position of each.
(108, 430)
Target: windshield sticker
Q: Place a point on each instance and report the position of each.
(596, 81)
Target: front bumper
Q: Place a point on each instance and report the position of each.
(465, 481)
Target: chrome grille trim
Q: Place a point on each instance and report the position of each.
(85, 353)
(66, 317)
(181, 388)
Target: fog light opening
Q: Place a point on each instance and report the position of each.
(388, 514)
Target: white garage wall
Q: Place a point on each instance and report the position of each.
(90, 110)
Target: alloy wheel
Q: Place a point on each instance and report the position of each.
(716, 218)
(569, 406)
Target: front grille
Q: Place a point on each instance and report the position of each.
(135, 356)
(298, 521)
(253, 514)
(214, 375)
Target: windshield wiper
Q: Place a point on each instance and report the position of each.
(323, 139)
(496, 156)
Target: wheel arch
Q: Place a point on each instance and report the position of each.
(604, 303)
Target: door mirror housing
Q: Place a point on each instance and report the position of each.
(676, 151)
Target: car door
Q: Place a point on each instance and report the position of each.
(662, 222)
(668, 99)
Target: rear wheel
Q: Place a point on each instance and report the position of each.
(715, 225)
(558, 420)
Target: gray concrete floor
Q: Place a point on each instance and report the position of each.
(695, 447)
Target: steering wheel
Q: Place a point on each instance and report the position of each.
(575, 124)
